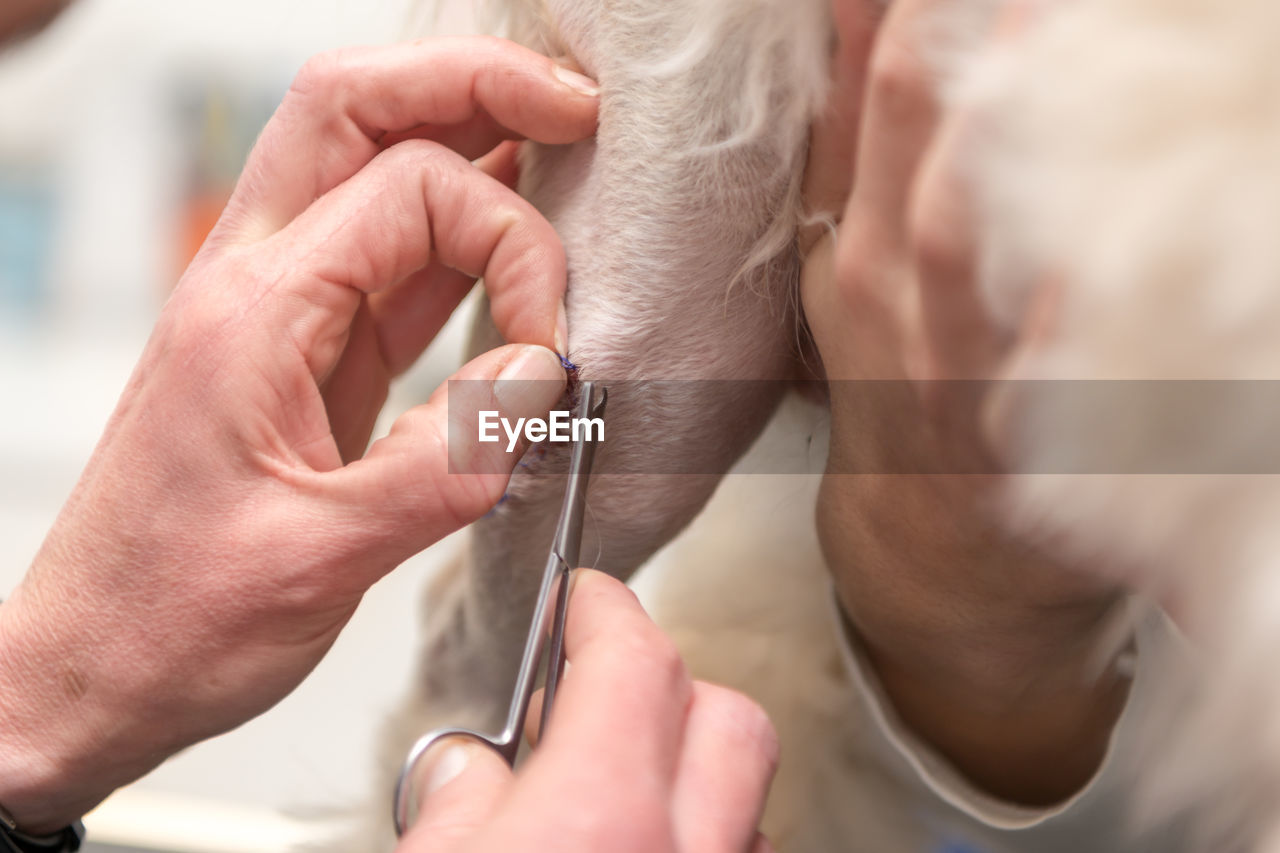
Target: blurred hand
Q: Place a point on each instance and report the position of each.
(636, 757)
(984, 644)
(230, 519)
(22, 17)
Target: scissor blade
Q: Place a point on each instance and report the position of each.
(555, 652)
(568, 541)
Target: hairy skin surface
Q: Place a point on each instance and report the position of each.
(1157, 207)
(679, 221)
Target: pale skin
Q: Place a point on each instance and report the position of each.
(981, 643)
(637, 756)
(231, 518)
(984, 645)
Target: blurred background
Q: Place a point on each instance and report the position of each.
(122, 129)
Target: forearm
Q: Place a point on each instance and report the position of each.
(998, 673)
(105, 666)
(64, 745)
(105, 659)
(1030, 738)
(128, 641)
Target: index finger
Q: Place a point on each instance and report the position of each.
(345, 107)
(833, 138)
(901, 112)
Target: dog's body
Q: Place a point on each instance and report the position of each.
(1146, 180)
(679, 222)
(689, 193)
(690, 185)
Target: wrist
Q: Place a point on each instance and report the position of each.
(1029, 722)
(1000, 663)
(1038, 750)
(61, 748)
(938, 590)
(986, 651)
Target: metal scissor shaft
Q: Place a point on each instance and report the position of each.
(545, 629)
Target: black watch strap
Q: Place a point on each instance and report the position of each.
(14, 841)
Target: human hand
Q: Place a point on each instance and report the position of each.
(984, 644)
(230, 519)
(22, 17)
(637, 757)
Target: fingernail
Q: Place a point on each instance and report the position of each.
(562, 331)
(579, 83)
(522, 386)
(445, 769)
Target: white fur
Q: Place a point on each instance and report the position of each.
(1129, 150)
(1127, 147)
(679, 220)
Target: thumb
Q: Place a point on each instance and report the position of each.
(762, 844)
(432, 475)
(459, 784)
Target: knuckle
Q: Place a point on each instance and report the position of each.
(417, 157)
(859, 259)
(932, 247)
(851, 269)
(666, 661)
(492, 44)
(645, 826)
(466, 489)
(941, 228)
(199, 314)
(323, 73)
(467, 498)
(899, 79)
(654, 655)
(713, 837)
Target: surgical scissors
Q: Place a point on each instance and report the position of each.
(552, 607)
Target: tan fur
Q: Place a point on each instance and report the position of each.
(1128, 148)
(746, 596)
(679, 221)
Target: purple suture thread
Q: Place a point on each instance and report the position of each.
(571, 390)
(500, 502)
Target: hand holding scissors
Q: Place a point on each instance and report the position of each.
(641, 758)
(549, 612)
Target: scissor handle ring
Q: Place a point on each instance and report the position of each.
(404, 784)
